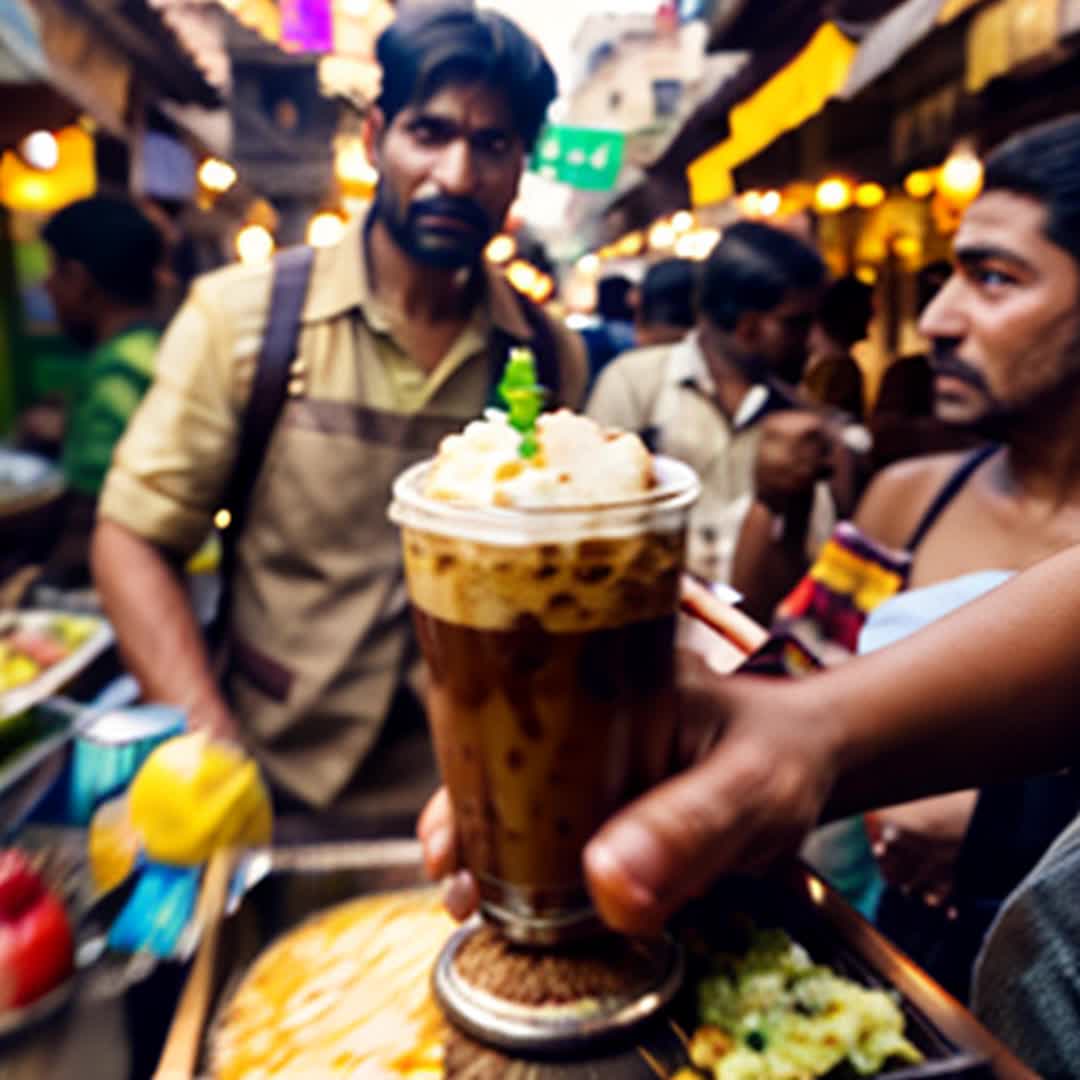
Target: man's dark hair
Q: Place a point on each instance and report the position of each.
(752, 268)
(425, 50)
(613, 299)
(116, 243)
(846, 309)
(667, 294)
(1044, 162)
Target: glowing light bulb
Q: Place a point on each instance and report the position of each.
(630, 245)
(325, 229)
(907, 247)
(501, 249)
(254, 245)
(961, 177)
(750, 203)
(352, 165)
(682, 221)
(216, 175)
(833, 195)
(523, 276)
(698, 244)
(662, 236)
(40, 150)
(919, 184)
(588, 264)
(869, 195)
(770, 203)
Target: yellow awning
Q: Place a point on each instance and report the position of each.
(788, 99)
(952, 9)
(1007, 34)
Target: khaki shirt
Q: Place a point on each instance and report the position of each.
(319, 614)
(666, 394)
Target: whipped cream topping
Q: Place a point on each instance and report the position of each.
(579, 463)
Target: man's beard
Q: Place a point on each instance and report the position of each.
(999, 419)
(445, 249)
(790, 369)
(752, 366)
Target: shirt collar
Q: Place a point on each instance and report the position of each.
(340, 282)
(688, 367)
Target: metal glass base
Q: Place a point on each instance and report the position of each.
(524, 928)
(553, 1029)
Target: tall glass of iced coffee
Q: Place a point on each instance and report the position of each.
(545, 594)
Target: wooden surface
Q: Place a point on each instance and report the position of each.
(180, 1055)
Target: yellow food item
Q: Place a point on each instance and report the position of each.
(207, 558)
(346, 994)
(193, 796)
(709, 1044)
(112, 844)
(71, 630)
(16, 668)
(770, 1013)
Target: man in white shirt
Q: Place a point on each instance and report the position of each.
(703, 399)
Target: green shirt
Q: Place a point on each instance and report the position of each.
(117, 376)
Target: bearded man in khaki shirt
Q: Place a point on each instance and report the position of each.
(395, 351)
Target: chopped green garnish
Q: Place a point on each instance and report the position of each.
(756, 1041)
(524, 398)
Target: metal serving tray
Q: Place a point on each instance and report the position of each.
(276, 889)
(53, 679)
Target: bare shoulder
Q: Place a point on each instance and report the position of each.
(900, 495)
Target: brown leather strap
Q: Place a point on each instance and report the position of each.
(292, 273)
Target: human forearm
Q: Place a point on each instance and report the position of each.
(941, 711)
(770, 559)
(159, 636)
(986, 694)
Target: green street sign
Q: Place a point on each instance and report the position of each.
(584, 158)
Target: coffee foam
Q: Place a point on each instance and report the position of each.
(579, 463)
(567, 587)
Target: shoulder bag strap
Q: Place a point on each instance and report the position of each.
(292, 273)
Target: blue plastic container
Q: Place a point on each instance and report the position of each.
(109, 750)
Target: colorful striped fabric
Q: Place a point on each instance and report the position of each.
(818, 623)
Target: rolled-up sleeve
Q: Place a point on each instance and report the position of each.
(170, 470)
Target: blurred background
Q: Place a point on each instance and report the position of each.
(237, 125)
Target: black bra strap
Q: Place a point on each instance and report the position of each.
(949, 491)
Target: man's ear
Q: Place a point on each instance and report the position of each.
(374, 129)
(81, 283)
